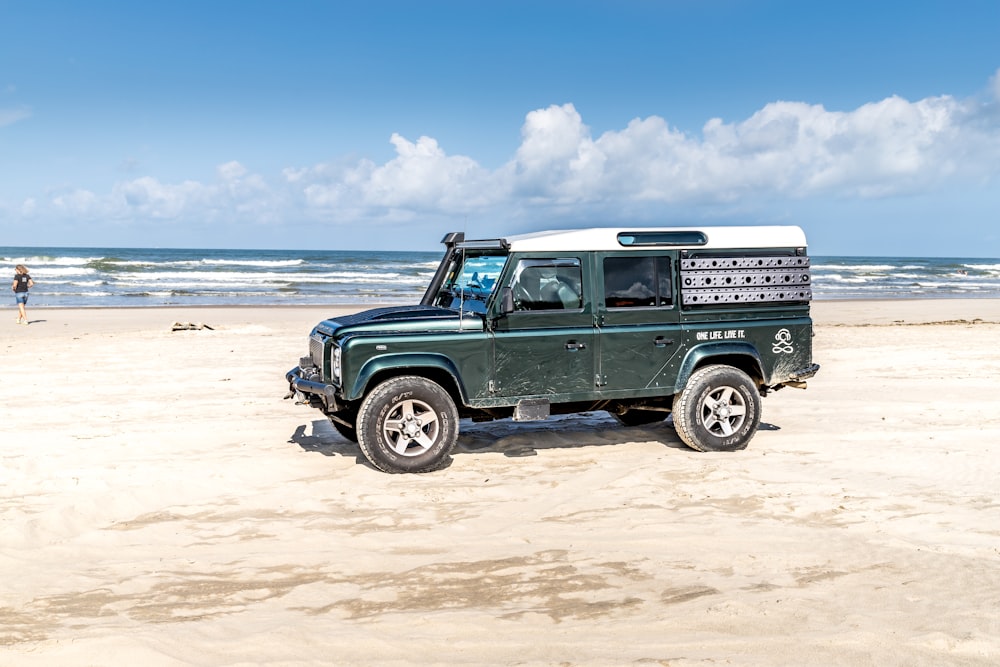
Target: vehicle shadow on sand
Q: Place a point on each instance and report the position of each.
(325, 440)
(516, 439)
(513, 439)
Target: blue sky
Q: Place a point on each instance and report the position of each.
(383, 124)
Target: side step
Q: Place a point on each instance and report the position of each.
(531, 410)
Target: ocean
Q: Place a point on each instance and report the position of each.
(124, 277)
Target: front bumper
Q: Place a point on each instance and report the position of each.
(306, 386)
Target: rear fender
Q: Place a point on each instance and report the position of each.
(741, 355)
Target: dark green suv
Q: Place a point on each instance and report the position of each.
(695, 322)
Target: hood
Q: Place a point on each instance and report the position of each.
(401, 319)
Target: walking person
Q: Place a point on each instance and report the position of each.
(22, 283)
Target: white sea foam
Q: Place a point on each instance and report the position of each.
(137, 277)
(193, 278)
(836, 277)
(248, 262)
(33, 262)
(60, 271)
(854, 267)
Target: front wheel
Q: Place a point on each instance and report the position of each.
(349, 432)
(718, 410)
(407, 424)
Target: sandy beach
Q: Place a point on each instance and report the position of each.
(161, 504)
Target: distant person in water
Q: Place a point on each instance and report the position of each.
(22, 283)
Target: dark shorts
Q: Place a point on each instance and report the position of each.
(21, 297)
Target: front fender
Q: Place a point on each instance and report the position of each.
(410, 363)
(700, 354)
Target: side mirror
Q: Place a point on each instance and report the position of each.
(506, 301)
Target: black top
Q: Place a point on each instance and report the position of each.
(21, 282)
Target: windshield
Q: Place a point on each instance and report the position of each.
(471, 281)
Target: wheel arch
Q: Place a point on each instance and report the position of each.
(738, 355)
(435, 367)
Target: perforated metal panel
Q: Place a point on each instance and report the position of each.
(739, 280)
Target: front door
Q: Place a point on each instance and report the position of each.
(547, 346)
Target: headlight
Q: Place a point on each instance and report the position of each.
(335, 363)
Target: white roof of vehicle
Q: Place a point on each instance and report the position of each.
(606, 238)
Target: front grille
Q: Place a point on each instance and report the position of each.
(316, 346)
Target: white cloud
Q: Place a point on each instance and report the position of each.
(786, 148)
(11, 116)
(789, 150)
(78, 202)
(421, 178)
(231, 171)
(239, 195)
(146, 197)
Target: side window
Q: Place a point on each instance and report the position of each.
(665, 293)
(637, 282)
(547, 284)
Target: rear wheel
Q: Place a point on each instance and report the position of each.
(407, 424)
(718, 410)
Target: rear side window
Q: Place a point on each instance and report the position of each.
(637, 282)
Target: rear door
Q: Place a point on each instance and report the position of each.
(638, 322)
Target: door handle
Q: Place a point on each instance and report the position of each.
(660, 341)
(573, 346)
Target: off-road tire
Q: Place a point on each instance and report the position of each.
(718, 410)
(348, 432)
(407, 424)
